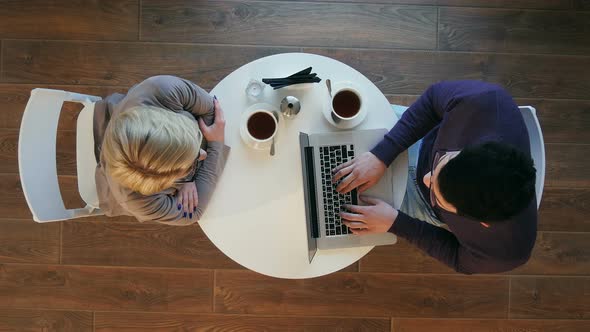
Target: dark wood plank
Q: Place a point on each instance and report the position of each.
(489, 325)
(13, 204)
(354, 267)
(66, 153)
(550, 297)
(68, 187)
(117, 219)
(403, 100)
(130, 322)
(14, 97)
(521, 31)
(25, 241)
(110, 289)
(62, 19)
(122, 64)
(286, 23)
(567, 165)
(45, 320)
(362, 295)
(581, 4)
(551, 4)
(411, 72)
(565, 209)
(562, 121)
(559, 253)
(8, 151)
(140, 244)
(401, 257)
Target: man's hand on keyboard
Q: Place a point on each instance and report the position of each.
(362, 172)
(375, 217)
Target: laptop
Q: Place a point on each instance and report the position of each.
(320, 153)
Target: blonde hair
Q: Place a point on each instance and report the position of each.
(147, 148)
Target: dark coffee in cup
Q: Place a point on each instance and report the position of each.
(261, 125)
(346, 104)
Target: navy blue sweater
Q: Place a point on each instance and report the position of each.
(450, 116)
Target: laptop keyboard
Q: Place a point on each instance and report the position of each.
(330, 157)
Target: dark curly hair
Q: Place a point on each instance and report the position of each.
(490, 181)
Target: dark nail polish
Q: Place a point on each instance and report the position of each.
(184, 215)
(195, 209)
(215, 97)
(190, 215)
(179, 206)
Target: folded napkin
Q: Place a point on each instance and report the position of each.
(304, 76)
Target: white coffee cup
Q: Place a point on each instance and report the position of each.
(346, 105)
(260, 127)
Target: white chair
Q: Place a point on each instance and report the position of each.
(537, 147)
(37, 155)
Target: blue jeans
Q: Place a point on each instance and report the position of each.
(414, 203)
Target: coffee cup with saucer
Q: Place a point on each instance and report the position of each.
(259, 126)
(346, 108)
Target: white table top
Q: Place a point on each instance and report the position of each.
(257, 215)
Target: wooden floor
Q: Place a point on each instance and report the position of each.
(118, 275)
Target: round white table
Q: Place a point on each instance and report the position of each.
(256, 216)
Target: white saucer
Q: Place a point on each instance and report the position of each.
(327, 109)
(244, 119)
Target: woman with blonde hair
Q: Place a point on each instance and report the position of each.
(160, 151)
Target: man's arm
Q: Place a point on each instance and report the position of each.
(445, 247)
(425, 114)
(378, 216)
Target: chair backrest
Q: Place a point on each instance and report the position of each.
(537, 147)
(37, 155)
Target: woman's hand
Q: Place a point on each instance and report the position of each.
(216, 131)
(187, 199)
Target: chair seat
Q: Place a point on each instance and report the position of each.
(85, 159)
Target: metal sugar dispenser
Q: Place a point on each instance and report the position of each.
(290, 107)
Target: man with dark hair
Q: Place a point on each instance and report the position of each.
(506, 173)
(470, 198)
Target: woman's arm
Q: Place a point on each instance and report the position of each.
(208, 175)
(175, 94)
(161, 208)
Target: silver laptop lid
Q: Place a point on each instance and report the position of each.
(309, 185)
